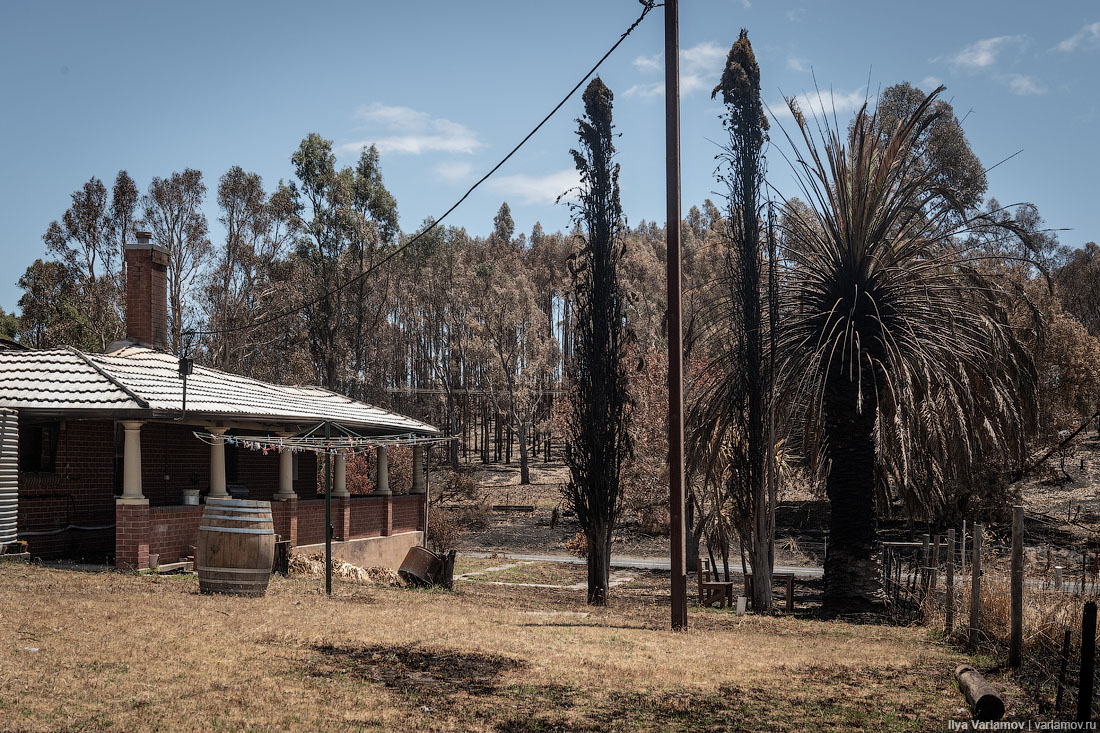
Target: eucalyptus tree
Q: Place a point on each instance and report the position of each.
(172, 212)
(240, 287)
(598, 440)
(895, 347)
(88, 240)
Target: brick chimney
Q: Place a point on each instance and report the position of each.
(147, 292)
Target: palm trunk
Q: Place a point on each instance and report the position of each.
(852, 580)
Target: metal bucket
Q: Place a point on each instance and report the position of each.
(421, 566)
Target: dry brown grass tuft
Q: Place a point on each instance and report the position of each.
(92, 651)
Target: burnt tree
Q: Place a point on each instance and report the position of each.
(598, 441)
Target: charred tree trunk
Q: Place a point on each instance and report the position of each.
(599, 564)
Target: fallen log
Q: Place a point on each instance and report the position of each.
(985, 702)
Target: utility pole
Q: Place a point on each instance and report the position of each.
(675, 337)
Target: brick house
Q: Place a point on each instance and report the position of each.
(108, 460)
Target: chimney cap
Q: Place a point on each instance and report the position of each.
(145, 241)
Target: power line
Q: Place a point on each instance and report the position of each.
(647, 5)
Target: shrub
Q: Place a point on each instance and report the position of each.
(460, 485)
(444, 530)
(578, 546)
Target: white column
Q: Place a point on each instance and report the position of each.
(217, 464)
(418, 485)
(382, 479)
(340, 474)
(131, 464)
(286, 472)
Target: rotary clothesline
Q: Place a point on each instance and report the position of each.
(308, 443)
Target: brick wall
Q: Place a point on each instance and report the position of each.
(311, 521)
(284, 517)
(406, 513)
(173, 530)
(368, 516)
(80, 492)
(173, 459)
(132, 536)
(83, 488)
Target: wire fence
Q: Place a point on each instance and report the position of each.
(932, 580)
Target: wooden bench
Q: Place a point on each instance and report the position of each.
(713, 591)
(787, 577)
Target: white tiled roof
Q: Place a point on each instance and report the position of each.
(57, 378)
(137, 378)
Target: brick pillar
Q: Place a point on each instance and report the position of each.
(341, 518)
(284, 513)
(132, 526)
(387, 525)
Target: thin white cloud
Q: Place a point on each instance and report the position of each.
(746, 4)
(537, 189)
(645, 91)
(454, 171)
(1087, 37)
(649, 63)
(795, 63)
(812, 103)
(416, 132)
(983, 54)
(700, 67)
(795, 15)
(1024, 85)
(929, 83)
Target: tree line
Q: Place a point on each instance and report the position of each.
(887, 317)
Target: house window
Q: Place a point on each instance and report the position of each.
(38, 447)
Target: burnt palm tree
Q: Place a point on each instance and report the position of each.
(895, 346)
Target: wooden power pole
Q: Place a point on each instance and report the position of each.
(675, 338)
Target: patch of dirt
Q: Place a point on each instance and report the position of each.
(1064, 495)
(440, 671)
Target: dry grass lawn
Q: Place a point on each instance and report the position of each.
(94, 651)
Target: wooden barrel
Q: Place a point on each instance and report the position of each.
(236, 547)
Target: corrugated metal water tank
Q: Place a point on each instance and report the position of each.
(9, 474)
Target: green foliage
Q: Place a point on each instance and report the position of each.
(9, 324)
(49, 314)
(941, 147)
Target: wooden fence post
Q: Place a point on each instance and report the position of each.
(975, 582)
(962, 550)
(1016, 607)
(935, 564)
(923, 570)
(1088, 661)
(949, 614)
(1062, 672)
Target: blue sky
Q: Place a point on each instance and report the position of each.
(446, 88)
